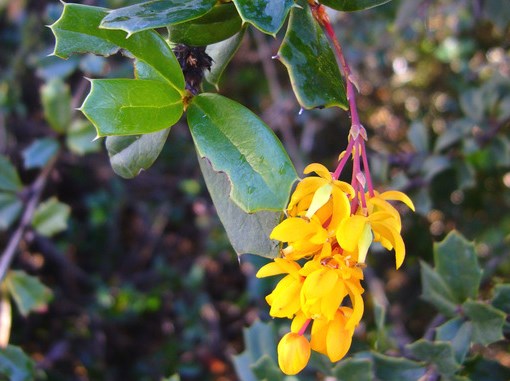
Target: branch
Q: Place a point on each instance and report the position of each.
(34, 191)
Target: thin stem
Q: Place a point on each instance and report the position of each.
(304, 327)
(35, 194)
(344, 159)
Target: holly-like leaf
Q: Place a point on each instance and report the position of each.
(396, 368)
(131, 106)
(266, 15)
(220, 23)
(10, 208)
(354, 369)
(458, 333)
(221, 54)
(27, 291)
(482, 369)
(487, 322)
(352, 5)
(15, 365)
(155, 14)
(238, 143)
(51, 217)
(247, 233)
(77, 31)
(40, 152)
(129, 155)
(80, 138)
(457, 264)
(501, 299)
(440, 354)
(312, 67)
(266, 368)
(9, 178)
(436, 291)
(56, 101)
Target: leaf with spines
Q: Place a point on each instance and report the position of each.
(155, 14)
(436, 291)
(266, 15)
(440, 354)
(131, 106)
(312, 67)
(487, 322)
(220, 23)
(353, 5)
(77, 31)
(354, 369)
(396, 368)
(238, 143)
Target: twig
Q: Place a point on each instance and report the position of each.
(35, 191)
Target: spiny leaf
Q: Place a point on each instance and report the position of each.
(487, 322)
(352, 5)
(266, 15)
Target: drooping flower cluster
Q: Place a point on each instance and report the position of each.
(326, 235)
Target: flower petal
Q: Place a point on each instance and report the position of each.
(320, 169)
(349, 232)
(338, 339)
(320, 198)
(398, 196)
(292, 229)
(394, 237)
(278, 266)
(293, 353)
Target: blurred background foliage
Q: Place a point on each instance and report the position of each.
(143, 279)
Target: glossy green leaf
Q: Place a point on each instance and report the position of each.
(396, 368)
(155, 14)
(352, 5)
(501, 299)
(457, 264)
(131, 106)
(77, 31)
(27, 291)
(436, 291)
(487, 322)
(9, 178)
(220, 23)
(354, 369)
(266, 15)
(81, 138)
(458, 333)
(15, 365)
(248, 233)
(238, 143)
(51, 217)
(40, 152)
(10, 209)
(129, 155)
(221, 53)
(56, 102)
(440, 354)
(312, 67)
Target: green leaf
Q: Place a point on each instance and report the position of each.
(129, 155)
(56, 102)
(481, 369)
(155, 14)
(247, 233)
(436, 291)
(238, 143)
(40, 152)
(221, 54)
(16, 365)
(487, 322)
(265, 368)
(457, 264)
(80, 138)
(10, 209)
(458, 333)
(266, 15)
(312, 67)
(77, 31)
(27, 291)
(396, 368)
(51, 217)
(9, 178)
(220, 23)
(418, 137)
(501, 299)
(440, 354)
(354, 369)
(131, 106)
(352, 5)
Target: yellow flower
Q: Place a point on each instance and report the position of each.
(293, 353)
(333, 338)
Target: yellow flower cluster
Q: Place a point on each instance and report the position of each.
(329, 230)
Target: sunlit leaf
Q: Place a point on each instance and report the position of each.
(16, 365)
(27, 291)
(56, 101)
(266, 15)
(352, 5)
(131, 106)
(312, 67)
(51, 217)
(81, 138)
(155, 14)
